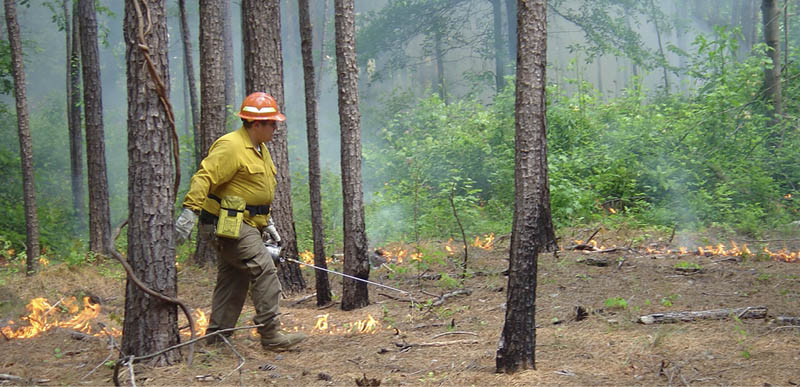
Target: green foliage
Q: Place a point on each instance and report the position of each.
(685, 265)
(615, 303)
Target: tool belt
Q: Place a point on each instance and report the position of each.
(253, 210)
(231, 215)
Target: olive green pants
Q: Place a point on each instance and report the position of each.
(243, 264)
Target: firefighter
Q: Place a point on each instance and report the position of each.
(231, 194)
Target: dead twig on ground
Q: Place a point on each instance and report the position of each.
(444, 297)
(454, 333)
(190, 342)
(241, 360)
(304, 299)
(404, 345)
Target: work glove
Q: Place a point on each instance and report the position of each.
(272, 232)
(184, 225)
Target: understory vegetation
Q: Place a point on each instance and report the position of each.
(707, 157)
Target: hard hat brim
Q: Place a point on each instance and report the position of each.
(252, 117)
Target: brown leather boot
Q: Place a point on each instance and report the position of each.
(279, 341)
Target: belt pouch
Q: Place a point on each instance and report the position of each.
(231, 216)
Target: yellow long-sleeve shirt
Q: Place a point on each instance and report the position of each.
(234, 167)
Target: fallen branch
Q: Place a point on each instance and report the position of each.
(392, 297)
(444, 297)
(436, 343)
(190, 342)
(453, 333)
(304, 299)
(10, 377)
(715, 314)
(788, 320)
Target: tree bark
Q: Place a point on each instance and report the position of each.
(532, 229)
(25, 144)
(263, 68)
(356, 261)
(150, 324)
(188, 66)
(511, 17)
(314, 176)
(322, 48)
(74, 112)
(227, 56)
(499, 54)
(99, 212)
(212, 99)
(772, 74)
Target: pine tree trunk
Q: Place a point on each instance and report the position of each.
(532, 223)
(263, 69)
(25, 144)
(439, 54)
(511, 17)
(227, 54)
(74, 112)
(188, 68)
(314, 176)
(150, 323)
(99, 213)
(356, 262)
(212, 99)
(499, 54)
(772, 74)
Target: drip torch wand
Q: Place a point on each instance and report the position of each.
(275, 252)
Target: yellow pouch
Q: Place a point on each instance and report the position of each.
(231, 216)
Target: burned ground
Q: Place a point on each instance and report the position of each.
(454, 343)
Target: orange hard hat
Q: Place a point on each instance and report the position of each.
(260, 106)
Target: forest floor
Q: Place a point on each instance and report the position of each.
(455, 343)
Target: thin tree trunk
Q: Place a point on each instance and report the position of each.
(356, 261)
(772, 74)
(150, 324)
(314, 176)
(227, 53)
(499, 54)
(749, 15)
(532, 228)
(440, 81)
(661, 49)
(25, 143)
(74, 111)
(99, 213)
(212, 101)
(263, 68)
(188, 65)
(322, 49)
(511, 18)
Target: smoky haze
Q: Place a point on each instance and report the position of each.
(568, 60)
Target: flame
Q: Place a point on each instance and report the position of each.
(307, 257)
(398, 255)
(787, 196)
(200, 324)
(612, 210)
(734, 251)
(41, 319)
(486, 244)
(322, 322)
(368, 325)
